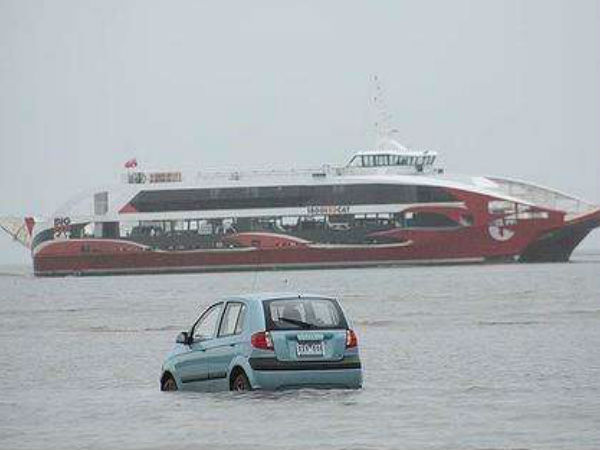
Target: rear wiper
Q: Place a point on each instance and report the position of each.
(300, 323)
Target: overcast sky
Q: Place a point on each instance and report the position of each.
(498, 87)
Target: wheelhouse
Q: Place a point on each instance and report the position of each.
(417, 161)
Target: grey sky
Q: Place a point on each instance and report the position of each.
(498, 87)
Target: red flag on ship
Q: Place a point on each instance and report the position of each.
(29, 223)
(131, 164)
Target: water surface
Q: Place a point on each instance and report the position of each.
(475, 357)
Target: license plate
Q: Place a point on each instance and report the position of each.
(309, 348)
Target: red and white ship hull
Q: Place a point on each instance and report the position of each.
(552, 242)
(384, 208)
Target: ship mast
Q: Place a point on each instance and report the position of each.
(383, 120)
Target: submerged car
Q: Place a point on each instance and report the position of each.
(266, 341)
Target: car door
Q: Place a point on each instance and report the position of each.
(193, 365)
(222, 350)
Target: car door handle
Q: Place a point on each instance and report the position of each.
(233, 344)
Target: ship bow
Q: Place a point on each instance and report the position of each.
(558, 244)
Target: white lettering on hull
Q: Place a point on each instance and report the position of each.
(318, 210)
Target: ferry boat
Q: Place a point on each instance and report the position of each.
(388, 206)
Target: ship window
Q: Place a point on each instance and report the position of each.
(466, 220)
(433, 194)
(381, 160)
(110, 230)
(314, 223)
(100, 203)
(126, 228)
(136, 178)
(428, 220)
(529, 215)
(393, 160)
(289, 221)
(284, 196)
(368, 160)
(339, 189)
(88, 230)
(501, 207)
(205, 227)
(356, 161)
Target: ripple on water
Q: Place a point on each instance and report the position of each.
(454, 357)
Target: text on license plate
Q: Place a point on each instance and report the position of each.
(309, 348)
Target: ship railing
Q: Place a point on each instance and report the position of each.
(260, 173)
(150, 177)
(230, 175)
(323, 171)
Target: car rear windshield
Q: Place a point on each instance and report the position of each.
(303, 313)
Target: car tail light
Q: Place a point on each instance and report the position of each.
(351, 339)
(262, 340)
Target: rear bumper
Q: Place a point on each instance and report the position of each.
(273, 364)
(271, 374)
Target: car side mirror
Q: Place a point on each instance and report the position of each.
(183, 338)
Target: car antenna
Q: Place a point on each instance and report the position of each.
(256, 245)
(286, 281)
(254, 281)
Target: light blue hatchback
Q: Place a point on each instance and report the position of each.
(265, 341)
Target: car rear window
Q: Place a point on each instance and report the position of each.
(303, 313)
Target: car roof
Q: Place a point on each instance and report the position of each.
(263, 296)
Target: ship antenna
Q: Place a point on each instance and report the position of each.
(383, 118)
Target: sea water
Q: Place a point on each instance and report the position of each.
(474, 356)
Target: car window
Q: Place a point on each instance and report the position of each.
(207, 324)
(233, 312)
(307, 313)
(239, 327)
